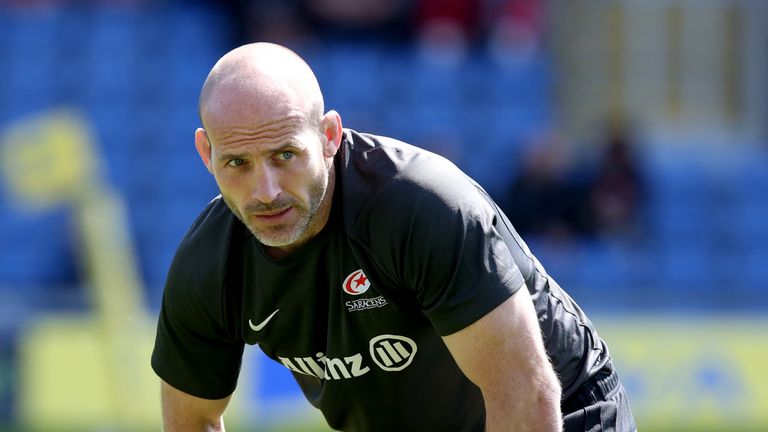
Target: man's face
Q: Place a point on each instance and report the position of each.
(274, 178)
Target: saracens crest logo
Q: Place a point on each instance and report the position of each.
(356, 283)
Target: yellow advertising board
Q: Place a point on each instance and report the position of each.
(682, 374)
(703, 373)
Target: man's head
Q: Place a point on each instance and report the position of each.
(268, 144)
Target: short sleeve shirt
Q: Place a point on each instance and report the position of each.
(413, 250)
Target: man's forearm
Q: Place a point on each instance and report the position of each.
(187, 424)
(186, 413)
(535, 409)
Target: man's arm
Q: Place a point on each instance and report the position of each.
(503, 354)
(183, 412)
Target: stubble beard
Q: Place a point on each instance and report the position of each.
(285, 235)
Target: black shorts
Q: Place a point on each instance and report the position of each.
(600, 404)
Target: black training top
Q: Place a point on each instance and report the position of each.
(413, 250)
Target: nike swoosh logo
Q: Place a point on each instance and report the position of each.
(262, 324)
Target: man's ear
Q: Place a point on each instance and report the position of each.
(330, 127)
(203, 146)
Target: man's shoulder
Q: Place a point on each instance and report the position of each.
(391, 176)
(375, 165)
(377, 155)
(213, 224)
(203, 254)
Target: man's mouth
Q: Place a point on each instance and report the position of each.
(272, 215)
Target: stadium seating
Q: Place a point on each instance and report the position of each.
(136, 73)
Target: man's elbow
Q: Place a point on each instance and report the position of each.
(548, 405)
(531, 403)
(546, 401)
(193, 424)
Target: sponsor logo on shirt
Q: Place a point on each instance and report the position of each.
(390, 353)
(327, 368)
(366, 303)
(261, 325)
(356, 283)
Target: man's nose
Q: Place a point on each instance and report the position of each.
(266, 186)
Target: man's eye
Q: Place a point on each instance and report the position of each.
(286, 155)
(236, 162)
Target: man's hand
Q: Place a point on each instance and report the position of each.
(503, 354)
(183, 412)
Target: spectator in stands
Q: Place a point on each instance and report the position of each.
(278, 20)
(359, 19)
(296, 21)
(544, 201)
(514, 28)
(464, 15)
(445, 28)
(616, 191)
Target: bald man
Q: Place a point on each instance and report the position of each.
(382, 277)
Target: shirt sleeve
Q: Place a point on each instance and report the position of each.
(194, 350)
(191, 355)
(443, 243)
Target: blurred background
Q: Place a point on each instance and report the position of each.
(626, 140)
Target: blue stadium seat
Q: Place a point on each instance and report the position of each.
(687, 269)
(192, 49)
(29, 28)
(433, 84)
(562, 262)
(31, 48)
(754, 269)
(137, 73)
(751, 219)
(680, 221)
(112, 53)
(606, 268)
(525, 83)
(37, 250)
